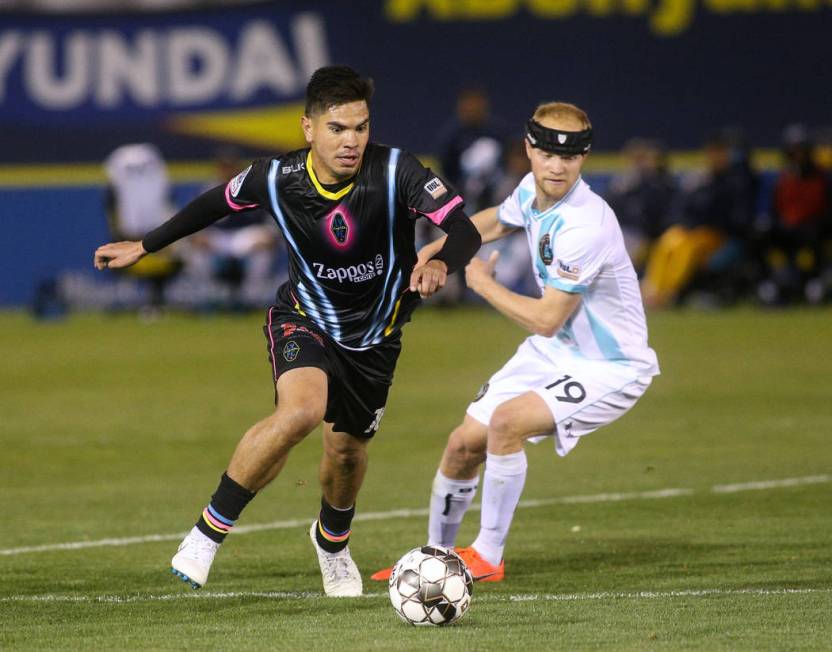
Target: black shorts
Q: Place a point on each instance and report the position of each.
(359, 381)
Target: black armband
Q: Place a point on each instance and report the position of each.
(201, 212)
(462, 243)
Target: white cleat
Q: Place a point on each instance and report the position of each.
(193, 560)
(338, 570)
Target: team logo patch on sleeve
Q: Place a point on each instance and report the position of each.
(544, 248)
(237, 182)
(572, 272)
(435, 188)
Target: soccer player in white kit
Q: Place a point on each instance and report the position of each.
(587, 361)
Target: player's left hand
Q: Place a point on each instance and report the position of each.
(428, 278)
(480, 271)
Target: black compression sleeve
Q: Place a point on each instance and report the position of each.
(201, 212)
(462, 243)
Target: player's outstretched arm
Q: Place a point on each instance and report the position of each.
(544, 316)
(117, 255)
(462, 242)
(488, 225)
(203, 211)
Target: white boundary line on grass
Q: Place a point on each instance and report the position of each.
(410, 513)
(304, 595)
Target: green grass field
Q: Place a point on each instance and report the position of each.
(112, 429)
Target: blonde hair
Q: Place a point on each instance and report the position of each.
(562, 110)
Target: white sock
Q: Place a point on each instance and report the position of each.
(502, 484)
(449, 500)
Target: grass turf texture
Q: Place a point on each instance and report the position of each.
(112, 428)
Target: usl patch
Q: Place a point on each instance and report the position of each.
(291, 350)
(544, 248)
(237, 182)
(435, 188)
(481, 393)
(339, 228)
(572, 272)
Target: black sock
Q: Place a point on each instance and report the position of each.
(333, 531)
(226, 504)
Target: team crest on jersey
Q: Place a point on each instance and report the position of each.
(237, 182)
(572, 272)
(435, 188)
(339, 228)
(291, 350)
(544, 248)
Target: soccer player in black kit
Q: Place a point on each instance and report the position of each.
(347, 209)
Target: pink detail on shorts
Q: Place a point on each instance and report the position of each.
(271, 347)
(437, 217)
(348, 221)
(234, 205)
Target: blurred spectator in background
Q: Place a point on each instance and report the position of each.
(471, 150)
(138, 199)
(470, 153)
(823, 148)
(713, 228)
(514, 270)
(799, 224)
(642, 197)
(239, 250)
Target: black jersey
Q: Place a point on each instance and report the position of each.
(351, 247)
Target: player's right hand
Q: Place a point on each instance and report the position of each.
(117, 255)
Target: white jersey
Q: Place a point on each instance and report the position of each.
(576, 246)
(139, 179)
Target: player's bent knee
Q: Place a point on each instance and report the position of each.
(346, 455)
(466, 447)
(504, 426)
(294, 422)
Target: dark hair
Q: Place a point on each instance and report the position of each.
(333, 86)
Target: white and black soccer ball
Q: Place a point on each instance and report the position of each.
(431, 586)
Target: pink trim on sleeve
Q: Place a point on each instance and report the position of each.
(234, 205)
(437, 217)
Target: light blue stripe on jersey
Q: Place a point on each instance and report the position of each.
(566, 287)
(376, 330)
(605, 340)
(325, 318)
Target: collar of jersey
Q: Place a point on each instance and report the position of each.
(321, 190)
(537, 215)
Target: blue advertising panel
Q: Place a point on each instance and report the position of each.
(74, 87)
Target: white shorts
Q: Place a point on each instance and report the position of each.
(582, 395)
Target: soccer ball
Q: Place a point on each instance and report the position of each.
(431, 586)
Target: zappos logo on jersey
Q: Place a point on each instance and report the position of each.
(545, 249)
(291, 350)
(354, 273)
